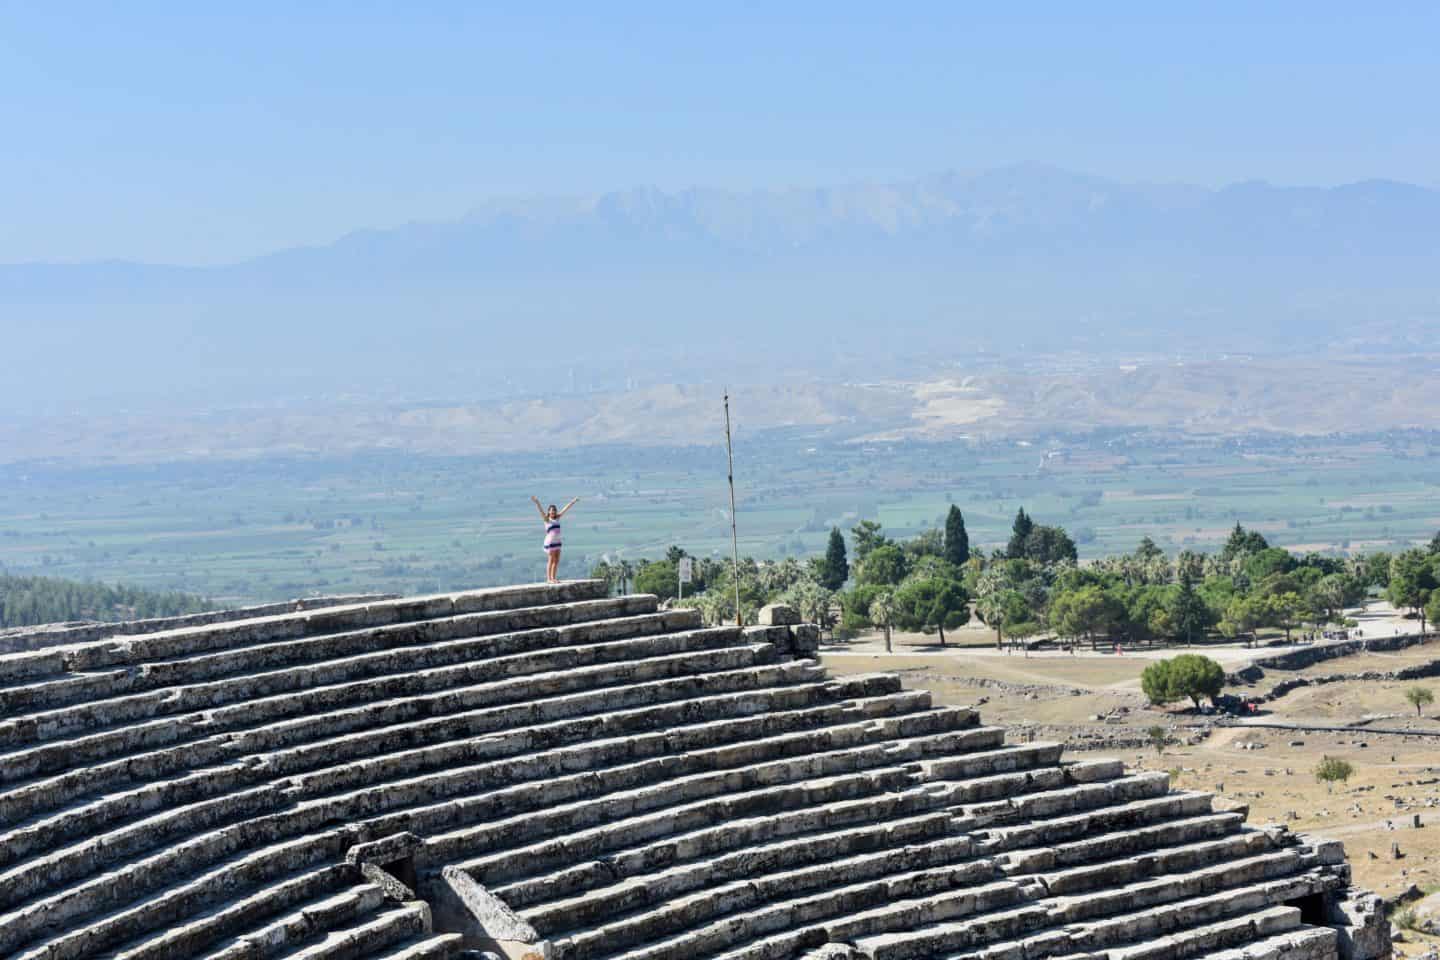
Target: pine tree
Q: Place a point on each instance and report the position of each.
(1019, 533)
(1189, 614)
(957, 541)
(837, 566)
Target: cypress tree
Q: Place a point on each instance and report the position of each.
(837, 566)
(1019, 533)
(957, 541)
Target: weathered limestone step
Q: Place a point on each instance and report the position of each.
(972, 781)
(1093, 771)
(646, 663)
(605, 689)
(1304, 943)
(62, 772)
(1184, 942)
(438, 947)
(958, 936)
(79, 927)
(67, 688)
(682, 777)
(636, 892)
(237, 917)
(1048, 803)
(666, 812)
(122, 885)
(336, 646)
(110, 809)
(907, 914)
(890, 903)
(1143, 894)
(390, 928)
(917, 871)
(1166, 860)
(58, 638)
(1002, 798)
(125, 719)
(62, 865)
(883, 811)
(52, 644)
(1097, 847)
(499, 783)
(312, 920)
(995, 839)
(589, 716)
(291, 652)
(191, 640)
(1223, 935)
(535, 651)
(983, 764)
(752, 734)
(1242, 903)
(30, 665)
(372, 803)
(675, 670)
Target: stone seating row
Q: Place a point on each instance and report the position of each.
(220, 799)
(949, 853)
(524, 743)
(137, 673)
(629, 783)
(37, 743)
(248, 630)
(89, 701)
(72, 633)
(250, 832)
(77, 860)
(626, 892)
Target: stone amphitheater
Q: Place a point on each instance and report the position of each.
(544, 771)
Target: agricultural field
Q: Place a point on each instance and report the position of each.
(263, 529)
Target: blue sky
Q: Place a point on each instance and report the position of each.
(206, 132)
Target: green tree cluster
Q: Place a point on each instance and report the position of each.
(1038, 543)
(27, 601)
(1414, 577)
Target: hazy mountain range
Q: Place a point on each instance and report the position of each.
(682, 284)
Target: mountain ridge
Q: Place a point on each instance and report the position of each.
(943, 195)
(1004, 259)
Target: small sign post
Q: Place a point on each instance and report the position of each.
(684, 571)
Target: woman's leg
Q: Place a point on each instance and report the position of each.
(555, 566)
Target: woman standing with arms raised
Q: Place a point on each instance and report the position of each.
(551, 518)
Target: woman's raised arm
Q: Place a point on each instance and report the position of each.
(573, 501)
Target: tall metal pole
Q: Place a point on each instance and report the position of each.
(734, 539)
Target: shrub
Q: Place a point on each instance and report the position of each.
(1332, 769)
(1158, 738)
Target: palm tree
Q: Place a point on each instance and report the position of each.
(882, 614)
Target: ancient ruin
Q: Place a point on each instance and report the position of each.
(545, 771)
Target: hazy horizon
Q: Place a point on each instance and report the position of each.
(170, 133)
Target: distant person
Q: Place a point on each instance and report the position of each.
(551, 518)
